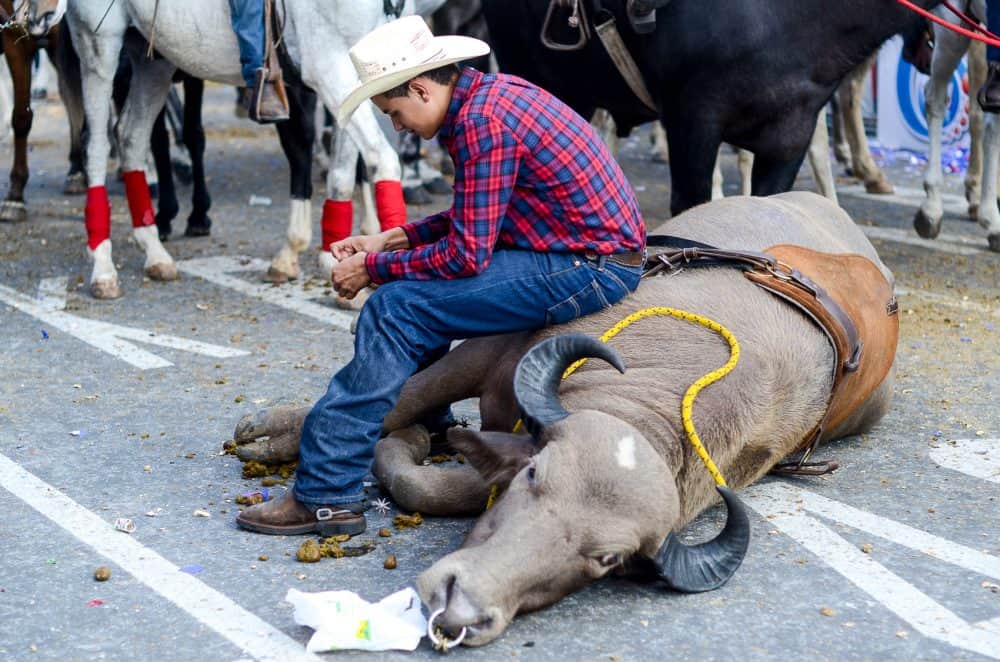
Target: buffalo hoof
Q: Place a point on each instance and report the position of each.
(925, 226)
(994, 240)
(163, 271)
(75, 184)
(438, 186)
(279, 277)
(879, 186)
(13, 211)
(105, 289)
(270, 435)
(416, 195)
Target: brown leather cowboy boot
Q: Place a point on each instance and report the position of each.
(268, 101)
(286, 516)
(989, 93)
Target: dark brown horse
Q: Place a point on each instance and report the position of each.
(20, 48)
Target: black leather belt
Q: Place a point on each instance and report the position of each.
(630, 259)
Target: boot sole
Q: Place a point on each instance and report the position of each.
(323, 529)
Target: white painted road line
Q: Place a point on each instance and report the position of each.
(249, 633)
(292, 297)
(975, 457)
(111, 338)
(787, 508)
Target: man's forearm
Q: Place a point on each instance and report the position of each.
(396, 239)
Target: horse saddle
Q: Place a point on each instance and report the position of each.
(845, 295)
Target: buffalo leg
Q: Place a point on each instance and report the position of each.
(772, 176)
(692, 160)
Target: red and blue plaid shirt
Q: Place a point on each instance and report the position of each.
(530, 174)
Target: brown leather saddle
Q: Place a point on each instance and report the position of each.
(845, 295)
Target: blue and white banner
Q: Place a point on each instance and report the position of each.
(902, 122)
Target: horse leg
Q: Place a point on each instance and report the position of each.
(68, 78)
(376, 149)
(297, 136)
(841, 150)
(863, 165)
(989, 215)
(693, 153)
(948, 51)
(98, 54)
(819, 159)
(338, 209)
(193, 136)
(717, 181)
(151, 81)
(976, 59)
(744, 161)
(166, 202)
(19, 53)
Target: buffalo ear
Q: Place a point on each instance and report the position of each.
(497, 456)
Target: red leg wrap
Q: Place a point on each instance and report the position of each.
(338, 219)
(97, 216)
(139, 202)
(389, 204)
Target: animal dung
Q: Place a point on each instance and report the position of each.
(103, 573)
(308, 552)
(407, 521)
(384, 532)
(254, 497)
(390, 562)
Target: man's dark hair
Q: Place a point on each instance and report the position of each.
(442, 75)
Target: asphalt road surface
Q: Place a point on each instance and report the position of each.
(119, 409)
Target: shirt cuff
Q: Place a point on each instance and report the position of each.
(377, 265)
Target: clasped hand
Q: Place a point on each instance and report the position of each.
(350, 275)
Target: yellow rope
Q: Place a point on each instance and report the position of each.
(687, 403)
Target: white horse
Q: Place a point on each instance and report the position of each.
(196, 36)
(949, 47)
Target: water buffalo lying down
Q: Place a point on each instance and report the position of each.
(603, 484)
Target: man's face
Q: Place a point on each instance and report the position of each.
(422, 111)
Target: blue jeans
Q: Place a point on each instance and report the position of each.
(248, 23)
(406, 323)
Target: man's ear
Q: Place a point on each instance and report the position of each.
(418, 86)
(497, 456)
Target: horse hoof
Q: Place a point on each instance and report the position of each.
(925, 226)
(973, 212)
(75, 184)
(163, 271)
(105, 289)
(278, 277)
(879, 187)
(13, 211)
(416, 195)
(438, 186)
(994, 240)
(197, 230)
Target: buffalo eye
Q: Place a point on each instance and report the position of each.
(531, 473)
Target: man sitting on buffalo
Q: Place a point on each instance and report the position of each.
(544, 228)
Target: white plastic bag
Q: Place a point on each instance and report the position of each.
(343, 620)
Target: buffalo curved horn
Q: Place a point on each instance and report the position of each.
(536, 380)
(704, 567)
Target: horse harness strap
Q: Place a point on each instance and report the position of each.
(845, 295)
(611, 39)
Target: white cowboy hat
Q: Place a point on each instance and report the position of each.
(393, 53)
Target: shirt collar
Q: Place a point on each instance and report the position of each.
(468, 80)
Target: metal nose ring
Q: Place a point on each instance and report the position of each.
(443, 644)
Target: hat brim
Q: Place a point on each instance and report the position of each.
(449, 50)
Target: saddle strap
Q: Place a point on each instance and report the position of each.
(840, 295)
(271, 62)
